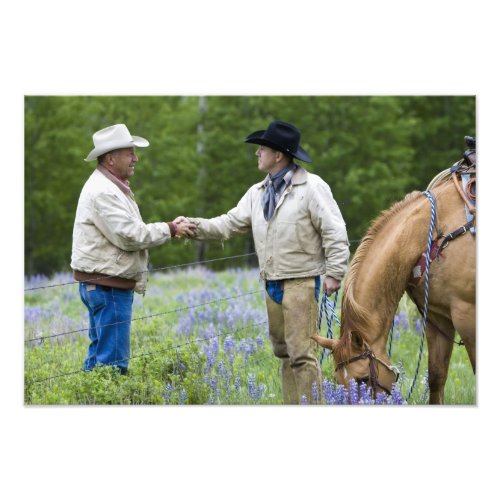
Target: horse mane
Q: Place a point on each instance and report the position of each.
(356, 318)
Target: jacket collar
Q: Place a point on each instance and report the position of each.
(124, 187)
(299, 177)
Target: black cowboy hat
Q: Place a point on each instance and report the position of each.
(281, 136)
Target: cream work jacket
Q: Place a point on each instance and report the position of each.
(306, 235)
(109, 235)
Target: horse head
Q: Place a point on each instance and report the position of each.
(355, 359)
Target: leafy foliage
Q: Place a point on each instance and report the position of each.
(370, 149)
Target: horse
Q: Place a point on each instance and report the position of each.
(382, 269)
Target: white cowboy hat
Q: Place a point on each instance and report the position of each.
(114, 137)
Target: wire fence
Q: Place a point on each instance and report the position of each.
(179, 309)
(39, 339)
(165, 268)
(156, 352)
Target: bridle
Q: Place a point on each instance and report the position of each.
(372, 378)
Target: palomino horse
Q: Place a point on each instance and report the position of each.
(380, 273)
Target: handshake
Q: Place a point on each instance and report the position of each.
(184, 228)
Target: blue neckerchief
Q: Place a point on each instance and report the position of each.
(274, 190)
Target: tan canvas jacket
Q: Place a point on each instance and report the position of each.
(109, 235)
(305, 237)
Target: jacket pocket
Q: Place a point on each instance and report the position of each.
(307, 238)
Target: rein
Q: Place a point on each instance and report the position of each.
(372, 379)
(426, 292)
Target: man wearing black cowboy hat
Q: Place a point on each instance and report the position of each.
(299, 234)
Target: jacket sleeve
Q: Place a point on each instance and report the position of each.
(123, 228)
(237, 221)
(328, 221)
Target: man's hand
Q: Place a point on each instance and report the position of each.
(181, 218)
(330, 285)
(185, 228)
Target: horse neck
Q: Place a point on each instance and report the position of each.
(380, 271)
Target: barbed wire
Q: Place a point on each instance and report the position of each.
(93, 280)
(179, 309)
(164, 268)
(198, 339)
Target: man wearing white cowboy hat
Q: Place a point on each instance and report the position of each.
(110, 242)
(299, 234)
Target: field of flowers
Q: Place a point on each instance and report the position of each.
(198, 337)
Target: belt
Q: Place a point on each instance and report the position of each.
(104, 280)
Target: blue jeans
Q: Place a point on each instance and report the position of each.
(110, 312)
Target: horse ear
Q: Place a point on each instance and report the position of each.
(324, 342)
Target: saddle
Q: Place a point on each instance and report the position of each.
(463, 173)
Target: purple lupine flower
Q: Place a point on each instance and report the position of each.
(353, 392)
(210, 357)
(405, 324)
(249, 347)
(229, 376)
(328, 391)
(237, 383)
(381, 398)
(365, 394)
(251, 385)
(260, 342)
(183, 397)
(315, 392)
(418, 326)
(168, 393)
(214, 385)
(229, 345)
(396, 396)
(342, 395)
(259, 392)
(303, 399)
(425, 381)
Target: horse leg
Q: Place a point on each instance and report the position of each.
(463, 316)
(440, 348)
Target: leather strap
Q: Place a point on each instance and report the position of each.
(105, 280)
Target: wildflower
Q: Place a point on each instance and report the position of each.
(396, 396)
(251, 385)
(315, 392)
(418, 326)
(353, 392)
(341, 396)
(168, 392)
(229, 345)
(183, 397)
(303, 399)
(365, 394)
(403, 318)
(328, 391)
(214, 386)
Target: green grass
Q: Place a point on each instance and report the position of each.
(200, 347)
